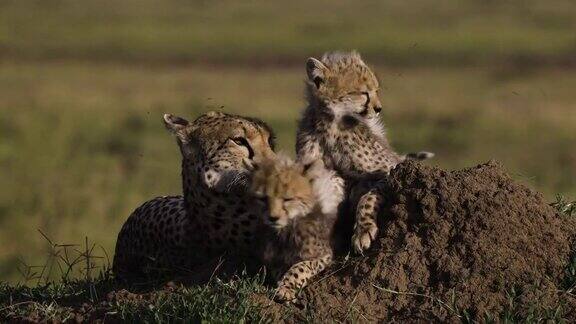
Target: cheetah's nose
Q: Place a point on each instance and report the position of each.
(377, 110)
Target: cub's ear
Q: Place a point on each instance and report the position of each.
(178, 126)
(316, 71)
(213, 113)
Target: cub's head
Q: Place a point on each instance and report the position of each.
(282, 185)
(343, 83)
(222, 149)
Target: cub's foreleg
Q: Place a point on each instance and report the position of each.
(370, 198)
(298, 277)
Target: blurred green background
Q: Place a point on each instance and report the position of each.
(84, 83)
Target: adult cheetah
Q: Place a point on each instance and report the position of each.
(216, 213)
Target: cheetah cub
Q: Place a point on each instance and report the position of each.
(341, 126)
(298, 243)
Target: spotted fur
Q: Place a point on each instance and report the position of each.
(216, 214)
(298, 243)
(341, 126)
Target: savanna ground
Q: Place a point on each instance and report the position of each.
(83, 85)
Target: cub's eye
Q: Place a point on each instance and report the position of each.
(272, 142)
(367, 98)
(288, 199)
(357, 94)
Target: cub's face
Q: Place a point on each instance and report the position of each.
(345, 84)
(223, 148)
(284, 189)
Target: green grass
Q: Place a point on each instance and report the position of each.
(74, 282)
(420, 32)
(218, 301)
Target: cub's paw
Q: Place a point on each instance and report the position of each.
(364, 235)
(284, 294)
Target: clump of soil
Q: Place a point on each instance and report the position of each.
(470, 243)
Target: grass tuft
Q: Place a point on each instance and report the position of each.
(564, 206)
(76, 284)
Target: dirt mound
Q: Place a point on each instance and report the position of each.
(453, 245)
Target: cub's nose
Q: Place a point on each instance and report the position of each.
(377, 109)
(273, 219)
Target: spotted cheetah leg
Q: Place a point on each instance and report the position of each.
(365, 227)
(298, 276)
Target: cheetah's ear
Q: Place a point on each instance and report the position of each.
(178, 126)
(316, 71)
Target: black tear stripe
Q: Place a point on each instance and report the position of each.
(367, 99)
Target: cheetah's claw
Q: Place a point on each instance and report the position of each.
(363, 237)
(284, 294)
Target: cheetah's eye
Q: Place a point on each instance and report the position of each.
(241, 141)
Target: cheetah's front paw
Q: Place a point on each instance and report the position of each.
(363, 237)
(284, 294)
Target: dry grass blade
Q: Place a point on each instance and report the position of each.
(439, 301)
